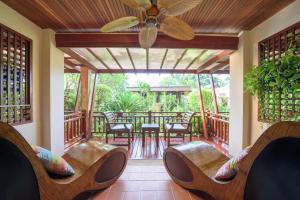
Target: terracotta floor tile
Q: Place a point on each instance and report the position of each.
(153, 169)
(133, 169)
(175, 187)
(125, 186)
(164, 185)
(124, 176)
(149, 185)
(132, 196)
(181, 195)
(164, 195)
(148, 195)
(115, 195)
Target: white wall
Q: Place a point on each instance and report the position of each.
(283, 19)
(17, 22)
(239, 128)
(244, 126)
(47, 128)
(52, 94)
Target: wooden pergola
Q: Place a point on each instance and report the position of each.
(85, 57)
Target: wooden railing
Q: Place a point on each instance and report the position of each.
(139, 118)
(218, 126)
(75, 123)
(75, 126)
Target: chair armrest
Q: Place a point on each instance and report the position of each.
(182, 123)
(121, 123)
(179, 123)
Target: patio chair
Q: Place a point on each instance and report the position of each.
(269, 171)
(114, 127)
(22, 175)
(180, 128)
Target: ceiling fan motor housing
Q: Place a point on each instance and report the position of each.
(151, 16)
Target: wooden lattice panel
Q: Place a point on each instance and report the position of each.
(273, 105)
(15, 77)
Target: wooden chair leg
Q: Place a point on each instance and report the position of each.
(129, 140)
(165, 134)
(132, 135)
(168, 138)
(191, 137)
(106, 137)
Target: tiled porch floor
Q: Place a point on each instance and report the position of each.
(145, 180)
(150, 151)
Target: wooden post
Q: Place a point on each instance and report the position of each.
(84, 79)
(77, 96)
(215, 101)
(92, 104)
(202, 108)
(149, 117)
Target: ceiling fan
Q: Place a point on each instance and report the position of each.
(156, 15)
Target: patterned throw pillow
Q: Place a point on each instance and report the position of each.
(53, 163)
(228, 171)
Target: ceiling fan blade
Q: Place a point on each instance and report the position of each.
(177, 7)
(147, 37)
(176, 28)
(137, 4)
(120, 24)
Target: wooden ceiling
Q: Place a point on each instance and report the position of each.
(153, 60)
(211, 16)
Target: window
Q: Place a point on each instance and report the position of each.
(15, 77)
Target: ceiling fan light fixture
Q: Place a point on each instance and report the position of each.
(151, 21)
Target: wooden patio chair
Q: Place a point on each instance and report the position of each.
(269, 171)
(180, 128)
(118, 128)
(22, 175)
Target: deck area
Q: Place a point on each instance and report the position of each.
(150, 151)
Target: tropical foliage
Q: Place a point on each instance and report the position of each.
(279, 82)
(111, 94)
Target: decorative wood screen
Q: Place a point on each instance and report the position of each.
(272, 105)
(15, 77)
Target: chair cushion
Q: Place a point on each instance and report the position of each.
(175, 127)
(121, 127)
(228, 171)
(53, 163)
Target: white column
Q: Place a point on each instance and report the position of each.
(239, 128)
(52, 105)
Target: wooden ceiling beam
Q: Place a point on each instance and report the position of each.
(158, 71)
(98, 58)
(115, 59)
(80, 59)
(164, 59)
(213, 60)
(219, 66)
(180, 58)
(196, 58)
(147, 58)
(70, 71)
(85, 40)
(130, 57)
(69, 63)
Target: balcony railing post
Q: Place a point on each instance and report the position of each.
(149, 116)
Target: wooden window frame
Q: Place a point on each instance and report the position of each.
(272, 48)
(21, 110)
